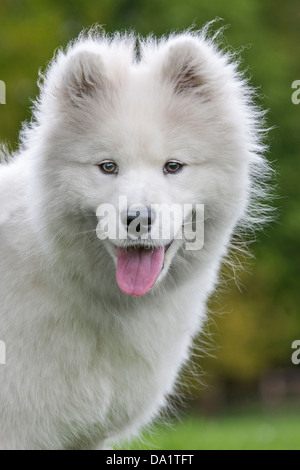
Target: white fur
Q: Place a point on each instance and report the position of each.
(87, 364)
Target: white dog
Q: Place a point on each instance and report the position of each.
(96, 330)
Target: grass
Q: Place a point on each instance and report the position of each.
(280, 431)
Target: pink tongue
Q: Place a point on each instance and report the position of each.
(138, 269)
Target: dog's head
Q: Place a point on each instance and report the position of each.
(150, 146)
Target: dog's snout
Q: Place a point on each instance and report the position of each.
(144, 216)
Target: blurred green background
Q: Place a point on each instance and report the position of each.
(247, 381)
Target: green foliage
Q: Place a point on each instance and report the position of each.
(264, 320)
(233, 432)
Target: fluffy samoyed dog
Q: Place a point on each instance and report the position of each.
(96, 326)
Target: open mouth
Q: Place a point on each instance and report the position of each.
(138, 268)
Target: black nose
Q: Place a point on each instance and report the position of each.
(144, 219)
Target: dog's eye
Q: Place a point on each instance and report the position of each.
(109, 168)
(173, 167)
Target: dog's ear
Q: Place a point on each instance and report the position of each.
(184, 67)
(84, 76)
(73, 79)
